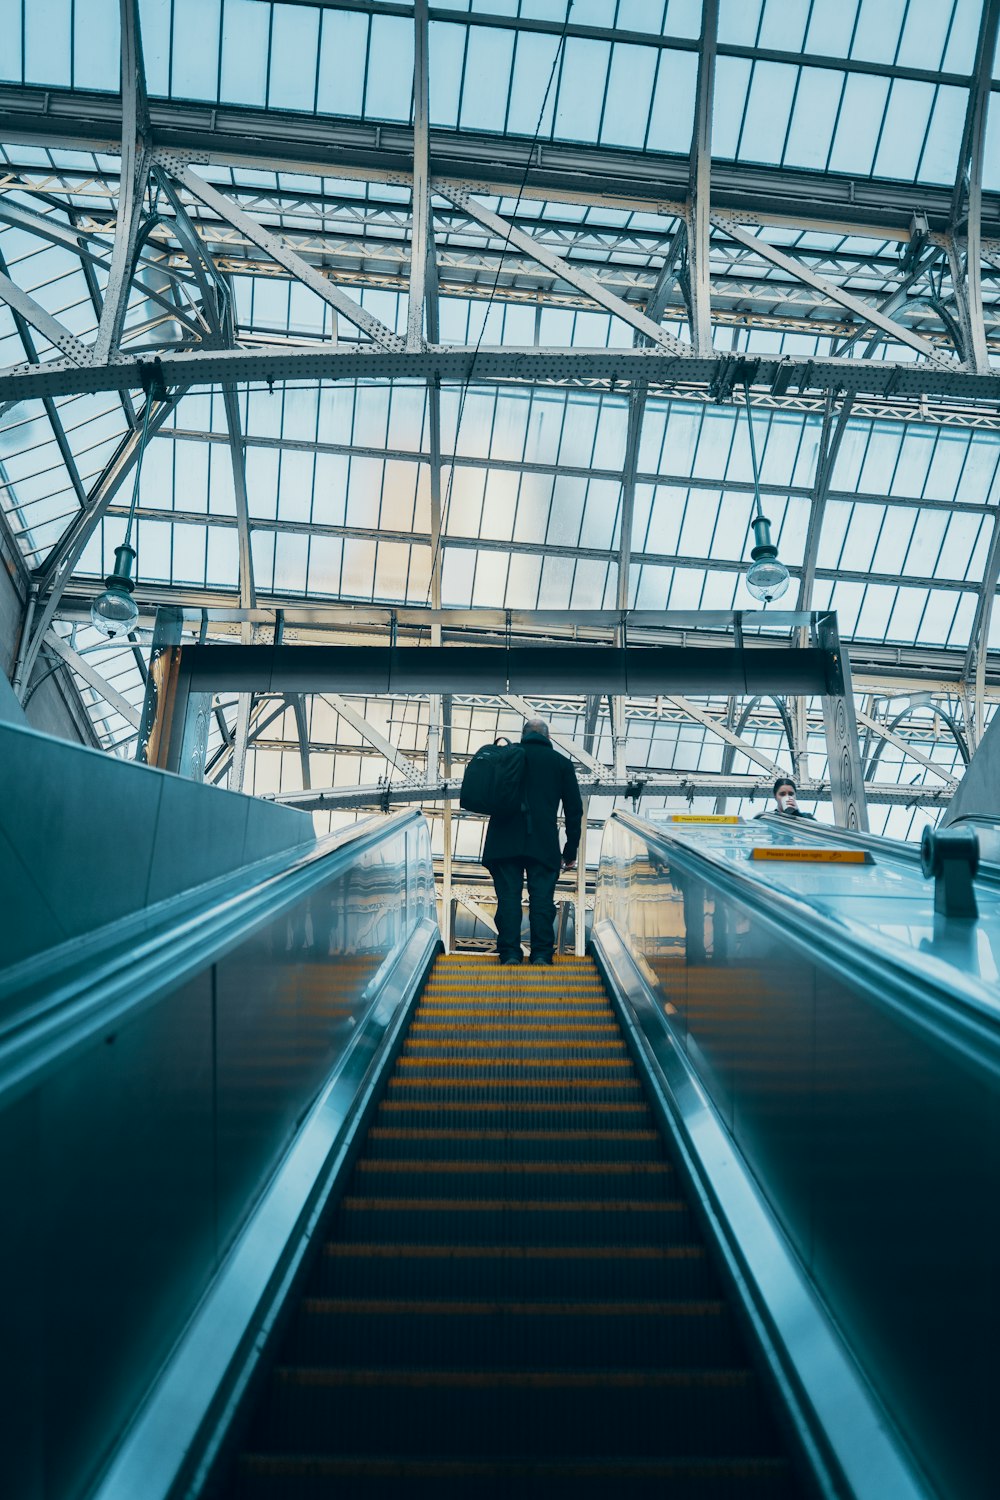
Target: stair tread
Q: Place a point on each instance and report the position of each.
(562, 1295)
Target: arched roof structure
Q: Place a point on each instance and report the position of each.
(454, 304)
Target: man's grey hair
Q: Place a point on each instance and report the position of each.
(537, 726)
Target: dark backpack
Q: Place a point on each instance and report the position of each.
(494, 780)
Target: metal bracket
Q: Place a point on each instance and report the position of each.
(950, 856)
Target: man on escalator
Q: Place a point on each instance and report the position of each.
(785, 803)
(523, 846)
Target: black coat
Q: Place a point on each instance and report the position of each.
(549, 780)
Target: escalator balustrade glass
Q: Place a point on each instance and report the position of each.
(849, 1041)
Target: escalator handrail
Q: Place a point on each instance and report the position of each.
(65, 1008)
(959, 1012)
(988, 872)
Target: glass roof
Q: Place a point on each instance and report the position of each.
(535, 513)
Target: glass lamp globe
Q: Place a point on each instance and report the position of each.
(115, 612)
(767, 576)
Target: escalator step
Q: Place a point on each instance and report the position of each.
(445, 1221)
(469, 1412)
(398, 1142)
(512, 1297)
(485, 1070)
(445, 1088)
(508, 1029)
(410, 1270)
(534, 1335)
(492, 1049)
(264, 1477)
(545, 1113)
(461, 1178)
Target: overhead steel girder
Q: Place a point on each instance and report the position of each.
(504, 670)
(451, 364)
(289, 140)
(655, 784)
(132, 182)
(204, 670)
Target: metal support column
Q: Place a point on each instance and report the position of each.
(847, 787)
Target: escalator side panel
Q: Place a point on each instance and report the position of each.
(875, 1142)
(132, 1159)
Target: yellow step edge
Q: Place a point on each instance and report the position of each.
(534, 1106)
(364, 1306)
(395, 1133)
(540, 1168)
(354, 1204)
(381, 1250)
(515, 1083)
(308, 1375)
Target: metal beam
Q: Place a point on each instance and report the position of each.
(93, 678)
(503, 669)
(969, 290)
(302, 730)
(716, 726)
(699, 182)
(51, 410)
(577, 471)
(135, 140)
(61, 563)
(471, 904)
(450, 363)
(286, 140)
(831, 438)
(974, 666)
(43, 322)
(685, 785)
(659, 296)
(421, 196)
(279, 250)
(904, 747)
(216, 307)
(801, 272)
(510, 233)
(565, 742)
(395, 757)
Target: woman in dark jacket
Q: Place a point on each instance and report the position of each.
(523, 846)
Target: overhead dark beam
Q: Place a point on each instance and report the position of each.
(274, 139)
(450, 363)
(501, 669)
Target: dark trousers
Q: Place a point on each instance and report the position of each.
(508, 881)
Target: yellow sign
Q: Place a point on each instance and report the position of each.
(703, 818)
(815, 856)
